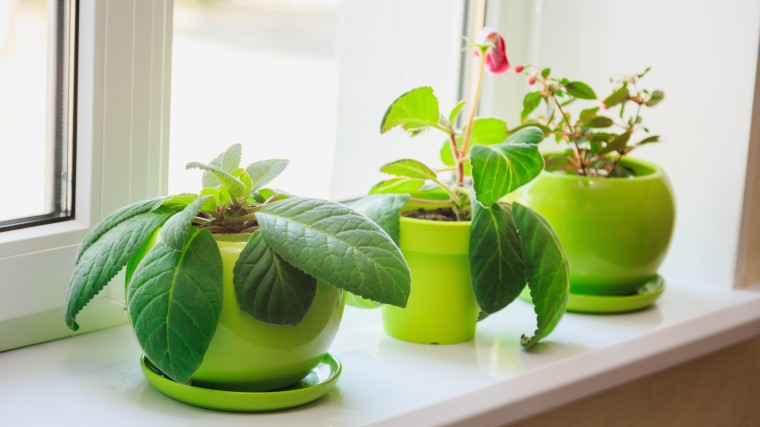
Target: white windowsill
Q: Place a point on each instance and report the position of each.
(95, 379)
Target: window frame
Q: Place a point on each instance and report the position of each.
(122, 129)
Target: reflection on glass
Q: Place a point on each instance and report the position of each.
(259, 72)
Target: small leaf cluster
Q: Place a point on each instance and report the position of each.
(175, 293)
(597, 140)
(511, 246)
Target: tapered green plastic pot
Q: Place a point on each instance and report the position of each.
(615, 231)
(441, 307)
(248, 355)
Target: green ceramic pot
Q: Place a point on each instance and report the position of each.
(441, 307)
(615, 231)
(248, 355)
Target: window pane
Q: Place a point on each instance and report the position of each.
(259, 72)
(36, 53)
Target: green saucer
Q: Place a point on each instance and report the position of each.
(645, 296)
(316, 384)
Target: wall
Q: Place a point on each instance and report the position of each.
(703, 55)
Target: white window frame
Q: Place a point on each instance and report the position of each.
(123, 84)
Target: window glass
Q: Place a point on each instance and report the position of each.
(36, 53)
(259, 72)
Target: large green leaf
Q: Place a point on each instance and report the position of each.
(106, 256)
(337, 246)
(499, 169)
(112, 221)
(408, 168)
(175, 301)
(397, 185)
(270, 289)
(359, 302)
(414, 111)
(227, 161)
(496, 260)
(235, 186)
(264, 171)
(546, 269)
(384, 209)
(177, 230)
(526, 135)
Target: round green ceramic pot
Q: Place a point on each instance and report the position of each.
(615, 231)
(248, 355)
(441, 307)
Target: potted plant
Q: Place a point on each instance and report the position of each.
(613, 214)
(470, 252)
(240, 287)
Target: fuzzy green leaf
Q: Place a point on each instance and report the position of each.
(530, 103)
(107, 255)
(264, 171)
(234, 186)
(546, 269)
(176, 202)
(176, 231)
(656, 98)
(599, 122)
(620, 95)
(112, 220)
(580, 90)
(270, 289)
(455, 112)
(337, 246)
(497, 170)
(227, 161)
(531, 135)
(485, 131)
(496, 259)
(175, 301)
(397, 185)
(384, 209)
(408, 168)
(414, 111)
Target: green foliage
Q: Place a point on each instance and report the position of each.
(174, 303)
(384, 210)
(175, 292)
(409, 168)
(546, 270)
(269, 288)
(594, 153)
(414, 111)
(499, 169)
(338, 246)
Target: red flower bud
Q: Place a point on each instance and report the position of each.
(519, 68)
(531, 79)
(496, 54)
(604, 106)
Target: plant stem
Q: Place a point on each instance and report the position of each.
(457, 158)
(452, 194)
(474, 110)
(576, 148)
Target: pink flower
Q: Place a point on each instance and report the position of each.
(519, 68)
(496, 54)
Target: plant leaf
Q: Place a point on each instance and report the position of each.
(270, 289)
(264, 171)
(588, 113)
(497, 170)
(409, 168)
(496, 259)
(359, 302)
(599, 122)
(397, 185)
(531, 135)
(235, 187)
(485, 131)
(580, 90)
(618, 144)
(617, 97)
(649, 140)
(175, 301)
(112, 220)
(656, 98)
(546, 269)
(176, 202)
(454, 114)
(176, 231)
(414, 111)
(227, 161)
(384, 210)
(530, 103)
(337, 246)
(107, 255)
